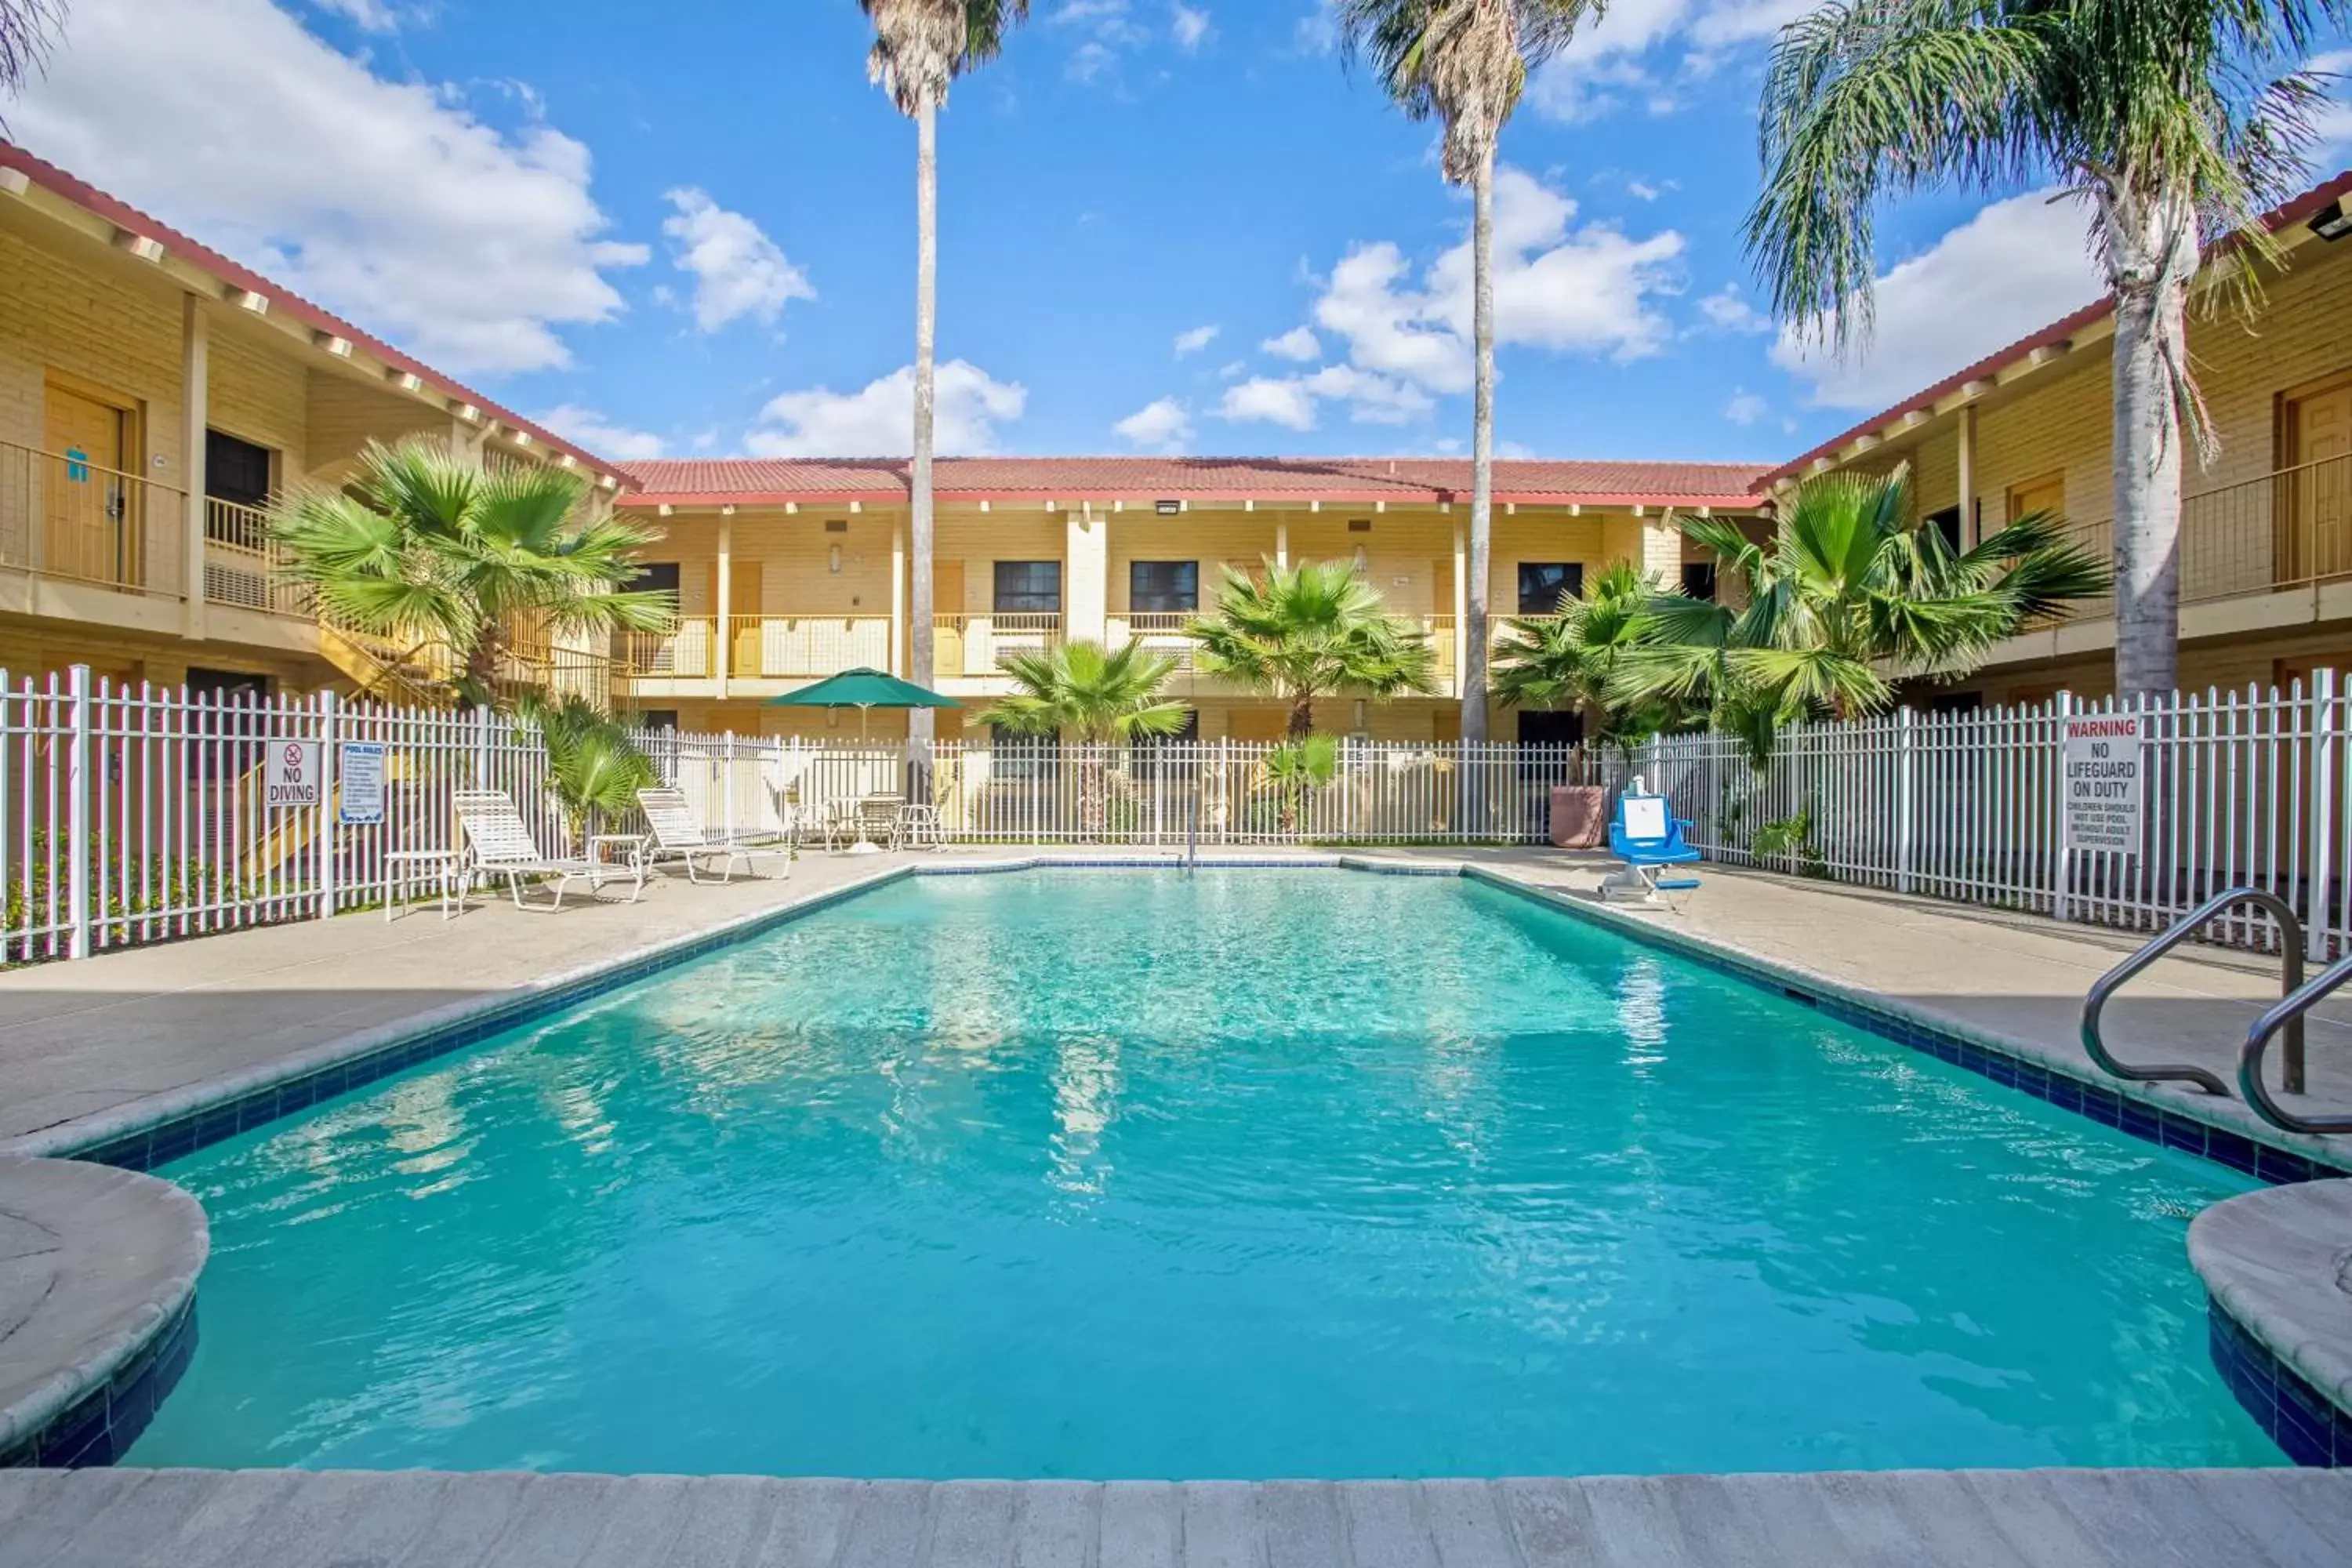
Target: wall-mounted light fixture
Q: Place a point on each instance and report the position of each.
(2333, 221)
(832, 559)
(1168, 508)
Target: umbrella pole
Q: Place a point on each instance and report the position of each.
(863, 846)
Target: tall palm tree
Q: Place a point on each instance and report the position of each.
(919, 48)
(2163, 114)
(1466, 62)
(1852, 589)
(1310, 631)
(1571, 659)
(431, 551)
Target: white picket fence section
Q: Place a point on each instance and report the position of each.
(2240, 789)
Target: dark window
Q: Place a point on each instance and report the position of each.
(657, 577)
(1028, 588)
(1699, 580)
(1956, 702)
(235, 470)
(659, 719)
(1164, 588)
(244, 695)
(1542, 729)
(1018, 756)
(1541, 583)
(1948, 524)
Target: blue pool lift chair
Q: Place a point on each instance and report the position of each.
(1647, 840)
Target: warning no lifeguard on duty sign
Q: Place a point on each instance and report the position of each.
(2103, 782)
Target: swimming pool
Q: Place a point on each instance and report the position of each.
(1245, 1173)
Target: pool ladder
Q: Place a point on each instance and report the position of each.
(2296, 998)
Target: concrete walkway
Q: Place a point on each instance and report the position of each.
(2031, 1519)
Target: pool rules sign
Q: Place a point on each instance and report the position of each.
(2104, 782)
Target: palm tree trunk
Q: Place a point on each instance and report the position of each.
(2153, 254)
(1302, 718)
(1482, 456)
(927, 309)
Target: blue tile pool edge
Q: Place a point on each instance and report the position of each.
(2308, 1427)
(98, 1427)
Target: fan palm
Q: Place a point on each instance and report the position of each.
(1309, 631)
(1094, 695)
(1466, 62)
(593, 767)
(1570, 659)
(2162, 113)
(429, 550)
(1852, 589)
(919, 48)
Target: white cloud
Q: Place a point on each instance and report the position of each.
(1299, 343)
(2012, 268)
(1745, 408)
(390, 202)
(878, 420)
(1651, 51)
(1292, 401)
(1231, 368)
(1727, 309)
(370, 16)
(1166, 424)
(1108, 30)
(600, 435)
(1196, 339)
(1317, 32)
(1190, 27)
(1268, 400)
(738, 269)
(2332, 121)
(1642, 190)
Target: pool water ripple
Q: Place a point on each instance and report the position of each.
(1249, 1173)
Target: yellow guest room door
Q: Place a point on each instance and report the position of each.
(2318, 502)
(91, 531)
(946, 620)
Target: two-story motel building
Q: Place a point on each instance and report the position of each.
(155, 396)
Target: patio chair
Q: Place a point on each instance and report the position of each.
(500, 844)
(881, 821)
(1647, 838)
(678, 837)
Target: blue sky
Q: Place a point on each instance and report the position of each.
(1167, 225)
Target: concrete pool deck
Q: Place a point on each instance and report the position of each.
(1986, 1519)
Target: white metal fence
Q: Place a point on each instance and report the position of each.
(2239, 789)
(138, 815)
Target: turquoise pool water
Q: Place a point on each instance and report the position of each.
(1252, 1173)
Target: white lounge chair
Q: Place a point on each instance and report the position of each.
(678, 837)
(501, 846)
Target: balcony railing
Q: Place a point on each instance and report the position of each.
(1161, 631)
(979, 644)
(688, 652)
(2283, 529)
(243, 565)
(63, 516)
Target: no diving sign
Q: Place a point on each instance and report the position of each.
(295, 775)
(2104, 782)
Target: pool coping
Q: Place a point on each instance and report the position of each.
(117, 1312)
(2277, 1268)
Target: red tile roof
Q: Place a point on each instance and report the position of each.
(282, 300)
(773, 480)
(2293, 212)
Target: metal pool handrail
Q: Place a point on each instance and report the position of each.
(2181, 930)
(2288, 1014)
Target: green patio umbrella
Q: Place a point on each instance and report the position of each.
(863, 689)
